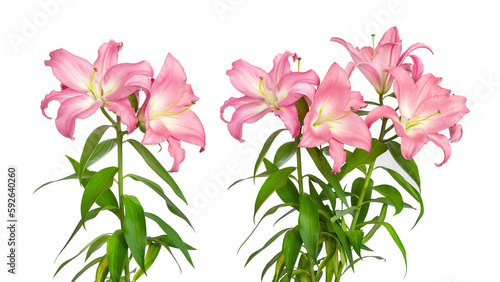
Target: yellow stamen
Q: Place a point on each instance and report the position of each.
(418, 120)
(298, 63)
(373, 44)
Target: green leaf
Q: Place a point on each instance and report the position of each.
(102, 269)
(409, 188)
(263, 174)
(339, 215)
(309, 225)
(361, 157)
(156, 166)
(171, 206)
(387, 202)
(265, 149)
(285, 153)
(165, 239)
(288, 193)
(170, 232)
(392, 194)
(83, 250)
(332, 197)
(86, 267)
(409, 166)
(166, 246)
(101, 150)
(272, 183)
(355, 237)
(360, 259)
(134, 229)
(132, 98)
(117, 252)
(346, 247)
(269, 242)
(280, 264)
(394, 236)
(291, 249)
(357, 187)
(90, 215)
(91, 145)
(325, 169)
(96, 245)
(151, 255)
(269, 264)
(100, 182)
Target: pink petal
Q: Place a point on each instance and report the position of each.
(337, 153)
(356, 102)
(236, 103)
(291, 119)
(451, 110)
(186, 127)
(295, 85)
(281, 67)
(175, 150)
(410, 146)
(356, 55)
(417, 69)
(334, 91)
(411, 49)
(388, 112)
(455, 133)
(372, 74)
(81, 107)
(442, 142)
(390, 36)
(428, 87)
(351, 130)
(71, 70)
(124, 110)
(170, 84)
(350, 68)
(314, 134)
(246, 78)
(188, 97)
(387, 56)
(59, 96)
(246, 113)
(156, 132)
(108, 56)
(118, 75)
(405, 90)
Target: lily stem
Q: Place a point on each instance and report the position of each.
(119, 141)
(299, 167)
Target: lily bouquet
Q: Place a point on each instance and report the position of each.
(335, 219)
(116, 90)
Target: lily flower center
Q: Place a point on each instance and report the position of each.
(267, 96)
(330, 120)
(418, 120)
(165, 112)
(93, 88)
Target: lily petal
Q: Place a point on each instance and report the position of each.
(156, 132)
(281, 66)
(314, 135)
(441, 141)
(124, 110)
(351, 130)
(356, 102)
(410, 146)
(456, 132)
(291, 119)
(59, 96)
(246, 113)
(390, 36)
(118, 75)
(337, 153)
(108, 56)
(334, 92)
(81, 107)
(388, 112)
(188, 97)
(73, 71)
(295, 85)
(405, 90)
(417, 69)
(246, 78)
(372, 74)
(175, 150)
(236, 103)
(411, 49)
(187, 127)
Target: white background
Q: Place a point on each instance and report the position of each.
(456, 241)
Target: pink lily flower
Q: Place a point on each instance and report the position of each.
(425, 109)
(166, 114)
(86, 87)
(331, 118)
(264, 92)
(373, 61)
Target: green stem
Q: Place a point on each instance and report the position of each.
(119, 141)
(109, 118)
(299, 167)
(362, 195)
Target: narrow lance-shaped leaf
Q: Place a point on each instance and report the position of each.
(269, 264)
(284, 153)
(151, 255)
(102, 269)
(393, 195)
(172, 234)
(91, 145)
(355, 238)
(96, 245)
(157, 188)
(357, 188)
(409, 188)
(265, 149)
(409, 166)
(101, 150)
(134, 229)
(272, 183)
(291, 249)
(156, 166)
(269, 242)
(86, 267)
(361, 157)
(309, 225)
(117, 252)
(100, 182)
(346, 247)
